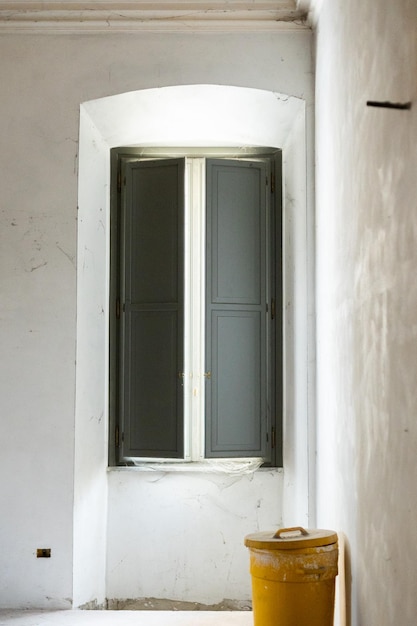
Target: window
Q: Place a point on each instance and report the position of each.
(196, 334)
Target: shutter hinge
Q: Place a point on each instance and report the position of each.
(118, 308)
(273, 437)
(118, 437)
(272, 182)
(120, 181)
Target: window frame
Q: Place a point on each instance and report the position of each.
(274, 156)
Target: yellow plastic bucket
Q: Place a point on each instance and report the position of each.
(293, 577)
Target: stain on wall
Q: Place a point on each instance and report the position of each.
(367, 298)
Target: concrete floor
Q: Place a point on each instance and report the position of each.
(125, 618)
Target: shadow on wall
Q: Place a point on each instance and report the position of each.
(345, 581)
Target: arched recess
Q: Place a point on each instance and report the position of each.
(193, 115)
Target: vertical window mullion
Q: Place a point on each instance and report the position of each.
(195, 306)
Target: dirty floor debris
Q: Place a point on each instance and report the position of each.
(157, 604)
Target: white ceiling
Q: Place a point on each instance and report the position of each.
(160, 15)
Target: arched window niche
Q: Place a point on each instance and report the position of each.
(183, 116)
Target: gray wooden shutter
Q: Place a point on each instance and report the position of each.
(152, 317)
(236, 355)
(276, 317)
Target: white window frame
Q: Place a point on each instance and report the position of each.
(194, 306)
(194, 323)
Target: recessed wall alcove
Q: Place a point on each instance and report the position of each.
(120, 513)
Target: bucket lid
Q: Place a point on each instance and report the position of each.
(291, 539)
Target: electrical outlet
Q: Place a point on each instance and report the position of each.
(43, 553)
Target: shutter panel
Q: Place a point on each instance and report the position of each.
(152, 326)
(236, 355)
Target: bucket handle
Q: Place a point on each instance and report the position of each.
(290, 530)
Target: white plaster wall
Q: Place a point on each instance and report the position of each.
(91, 416)
(299, 445)
(367, 299)
(38, 200)
(186, 533)
(44, 79)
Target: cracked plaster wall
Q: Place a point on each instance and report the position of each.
(191, 523)
(44, 79)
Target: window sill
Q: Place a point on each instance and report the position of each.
(236, 467)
